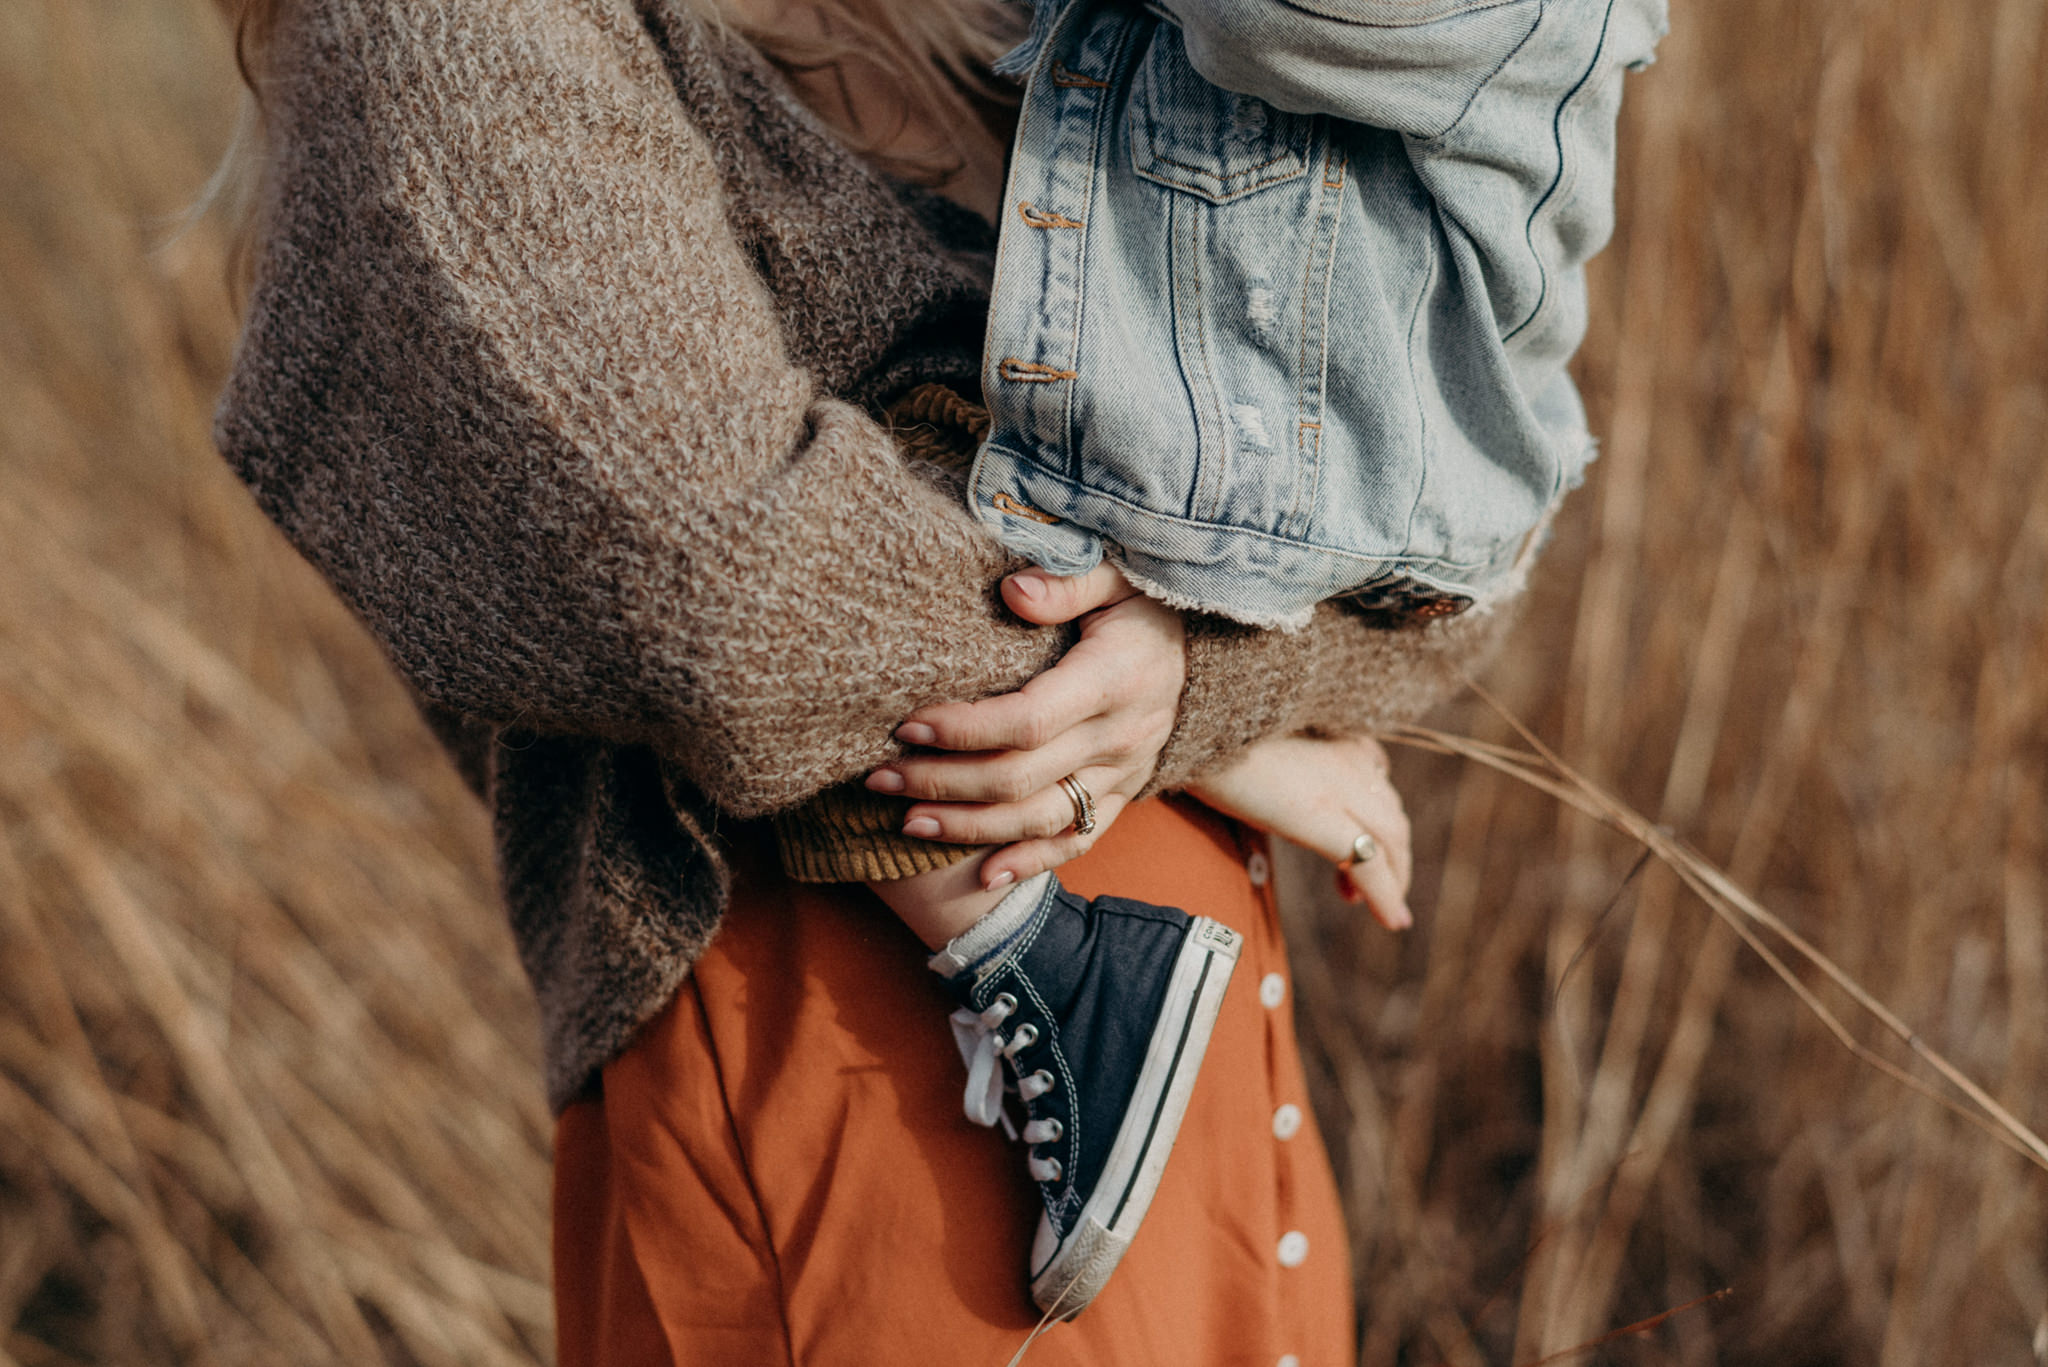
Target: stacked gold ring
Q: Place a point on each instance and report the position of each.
(1084, 805)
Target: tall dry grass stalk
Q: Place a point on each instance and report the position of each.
(266, 1079)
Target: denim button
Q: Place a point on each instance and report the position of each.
(1287, 1121)
(1293, 1251)
(1258, 868)
(1272, 991)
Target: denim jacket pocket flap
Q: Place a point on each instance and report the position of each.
(1189, 135)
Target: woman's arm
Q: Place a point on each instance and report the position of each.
(991, 770)
(1340, 676)
(513, 384)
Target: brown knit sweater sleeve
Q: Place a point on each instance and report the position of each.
(511, 381)
(514, 382)
(1341, 675)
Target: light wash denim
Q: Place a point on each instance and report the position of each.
(1286, 290)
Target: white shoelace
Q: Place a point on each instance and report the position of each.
(978, 1034)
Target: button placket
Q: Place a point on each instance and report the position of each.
(1050, 189)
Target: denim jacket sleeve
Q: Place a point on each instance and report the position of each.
(1507, 107)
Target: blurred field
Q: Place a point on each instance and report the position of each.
(268, 1087)
(267, 1081)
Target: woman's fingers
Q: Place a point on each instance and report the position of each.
(1029, 858)
(1380, 880)
(1051, 704)
(1048, 599)
(1324, 795)
(1379, 884)
(1000, 776)
(990, 770)
(1130, 659)
(1043, 814)
(1377, 807)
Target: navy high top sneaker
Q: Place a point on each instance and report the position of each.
(1103, 1011)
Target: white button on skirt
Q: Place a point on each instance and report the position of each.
(1272, 991)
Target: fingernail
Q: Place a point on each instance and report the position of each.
(1029, 586)
(923, 827)
(1002, 879)
(885, 781)
(916, 733)
(1400, 918)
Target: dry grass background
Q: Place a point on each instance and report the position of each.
(267, 1080)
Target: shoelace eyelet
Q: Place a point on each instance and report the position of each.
(1048, 1130)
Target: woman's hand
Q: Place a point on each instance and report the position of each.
(1102, 715)
(1322, 795)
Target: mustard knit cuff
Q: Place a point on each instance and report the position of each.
(936, 424)
(850, 835)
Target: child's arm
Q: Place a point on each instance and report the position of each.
(1507, 110)
(1323, 795)
(1420, 70)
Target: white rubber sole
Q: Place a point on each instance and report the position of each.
(1066, 1276)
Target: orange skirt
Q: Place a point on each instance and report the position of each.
(778, 1170)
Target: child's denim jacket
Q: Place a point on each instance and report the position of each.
(1307, 340)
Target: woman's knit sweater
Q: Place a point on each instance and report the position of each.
(567, 333)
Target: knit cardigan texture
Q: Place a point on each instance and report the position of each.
(565, 352)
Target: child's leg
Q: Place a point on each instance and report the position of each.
(1098, 1012)
(941, 905)
(851, 835)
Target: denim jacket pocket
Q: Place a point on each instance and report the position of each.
(1189, 135)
